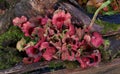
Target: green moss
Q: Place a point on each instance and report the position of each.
(71, 64)
(9, 56)
(108, 27)
(54, 65)
(10, 37)
(105, 54)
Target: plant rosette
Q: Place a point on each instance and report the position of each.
(58, 39)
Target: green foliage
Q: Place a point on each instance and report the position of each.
(54, 65)
(10, 37)
(117, 55)
(9, 57)
(98, 10)
(108, 54)
(67, 64)
(91, 9)
(107, 27)
(2, 0)
(71, 64)
(84, 1)
(110, 13)
(103, 5)
(105, 54)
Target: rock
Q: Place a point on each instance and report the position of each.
(81, 17)
(5, 21)
(31, 8)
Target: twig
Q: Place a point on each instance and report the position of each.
(111, 34)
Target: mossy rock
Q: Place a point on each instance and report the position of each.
(9, 56)
(10, 37)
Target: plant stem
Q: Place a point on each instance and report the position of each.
(97, 11)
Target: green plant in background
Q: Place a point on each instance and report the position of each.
(110, 7)
(2, 0)
(108, 27)
(91, 9)
(98, 10)
(105, 54)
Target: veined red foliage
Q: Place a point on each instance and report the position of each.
(58, 38)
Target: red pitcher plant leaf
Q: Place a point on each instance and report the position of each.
(18, 21)
(57, 38)
(96, 39)
(60, 17)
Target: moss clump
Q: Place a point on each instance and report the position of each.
(9, 38)
(54, 65)
(71, 64)
(9, 56)
(105, 54)
(108, 27)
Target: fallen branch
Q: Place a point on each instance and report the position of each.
(111, 34)
(22, 68)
